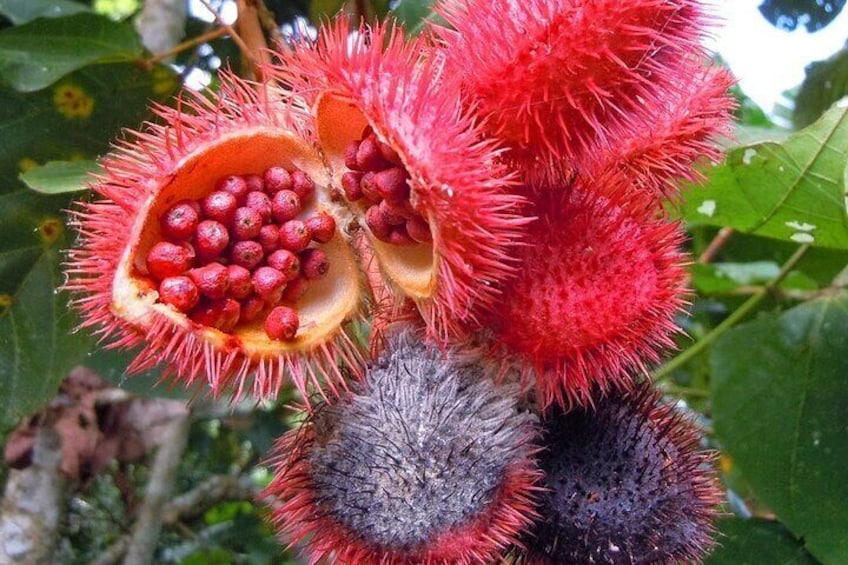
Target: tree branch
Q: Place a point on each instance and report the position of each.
(163, 475)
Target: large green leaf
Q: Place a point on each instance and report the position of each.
(56, 177)
(22, 11)
(37, 346)
(793, 190)
(780, 409)
(826, 83)
(43, 126)
(37, 54)
(756, 542)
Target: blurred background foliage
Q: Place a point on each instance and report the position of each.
(764, 367)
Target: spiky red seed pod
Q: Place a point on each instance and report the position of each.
(375, 80)
(597, 291)
(427, 462)
(556, 78)
(670, 140)
(243, 129)
(626, 482)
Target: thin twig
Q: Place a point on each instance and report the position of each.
(163, 475)
(187, 44)
(715, 246)
(689, 354)
(243, 47)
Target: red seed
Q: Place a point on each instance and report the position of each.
(219, 206)
(350, 155)
(211, 280)
(269, 284)
(419, 230)
(209, 314)
(286, 262)
(391, 184)
(247, 254)
(230, 313)
(269, 237)
(295, 236)
(399, 236)
(295, 290)
(254, 183)
(350, 184)
(211, 239)
(368, 156)
(285, 206)
(377, 223)
(391, 214)
(303, 186)
(179, 222)
(260, 202)
(323, 227)
(369, 188)
(389, 154)
(247, 223)
(277, 179)
(180, 292)
(235, 185)
(314, 263)
(167, 259)
(251, 307)
(240, 284)
(219, 314)
(282, 323)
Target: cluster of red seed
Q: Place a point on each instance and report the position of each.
(379, 181)
(242, 250)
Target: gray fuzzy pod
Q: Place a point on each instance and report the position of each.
(426, 447)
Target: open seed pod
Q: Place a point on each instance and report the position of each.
(409, 162)
(214, 244)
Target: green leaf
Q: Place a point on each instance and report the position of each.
(45, 126)
(826, 83)
(793, 191)
(22, 11)
(37, 346)
(413, 14)
(38, 53)
(756, 542)
(780, 409)
(56, 177)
